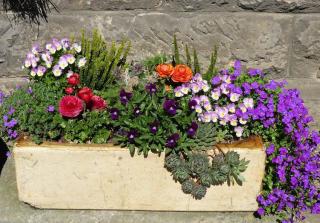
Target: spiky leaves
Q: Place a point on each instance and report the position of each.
(103, 60)
(205, 138)
(176, 50)
(199, 191)
(193, 60)
(212, 70)
(196, 172)
(187, 186)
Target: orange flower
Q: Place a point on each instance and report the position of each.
(182, 73)
(168, 88)
(164, 70)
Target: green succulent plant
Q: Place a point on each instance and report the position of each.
(199, 191)
(172, 161)
(181, 173)
(205, 179)
(198, 163)
(217, 161)
(187, 186)
(217, 177)
(205, 138)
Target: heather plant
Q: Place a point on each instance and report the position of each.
(104, 59)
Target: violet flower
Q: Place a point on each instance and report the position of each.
(170, 106)
(151, 88)
(114, 113)
(125, 96)
(172, 141)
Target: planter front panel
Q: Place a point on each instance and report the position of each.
(64, 176)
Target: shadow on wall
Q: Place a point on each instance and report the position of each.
(3, 151)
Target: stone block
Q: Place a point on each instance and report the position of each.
(258, 40)
(285, 6)
(305, 47)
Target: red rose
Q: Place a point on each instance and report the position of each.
(69, 90)
(97, 103)
(85, 94)
(74, 79)
(70, 106)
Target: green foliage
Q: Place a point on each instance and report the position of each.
(212, 70)
(188, 56)
(187, 186)
(198, 163)
(196, 64)
(181, 173)
(199, 191)
(151, 110)
(31, 111)
(176, 50)
(93, 127)
(103, 60)
(150, 63)
(197, 167)
(172, 161)
(193, 61)
(205, 138)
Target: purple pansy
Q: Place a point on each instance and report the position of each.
(170, 106)
(172, 141)
(125, 96)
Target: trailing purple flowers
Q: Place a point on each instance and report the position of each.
(255, 105)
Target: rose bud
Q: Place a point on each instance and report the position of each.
(74, 79)
(85, 94)
(97, 103)
(69, 90)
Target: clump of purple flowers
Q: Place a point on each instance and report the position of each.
(9, 124)
(293, 158)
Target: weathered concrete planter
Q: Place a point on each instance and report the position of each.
(66, 176)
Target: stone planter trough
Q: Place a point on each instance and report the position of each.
(72, 176)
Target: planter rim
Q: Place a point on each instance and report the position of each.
(252, 143)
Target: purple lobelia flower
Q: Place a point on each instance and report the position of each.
(125, 96)
(192, 130)
(50, 108)
(172, 141)
(151, 88)
(154, 126)
(170, 106)
(114, 113)
(270, 149)
(132, 134)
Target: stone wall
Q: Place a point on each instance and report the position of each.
(279, 36)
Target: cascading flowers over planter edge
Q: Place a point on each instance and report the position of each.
(89, 93)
